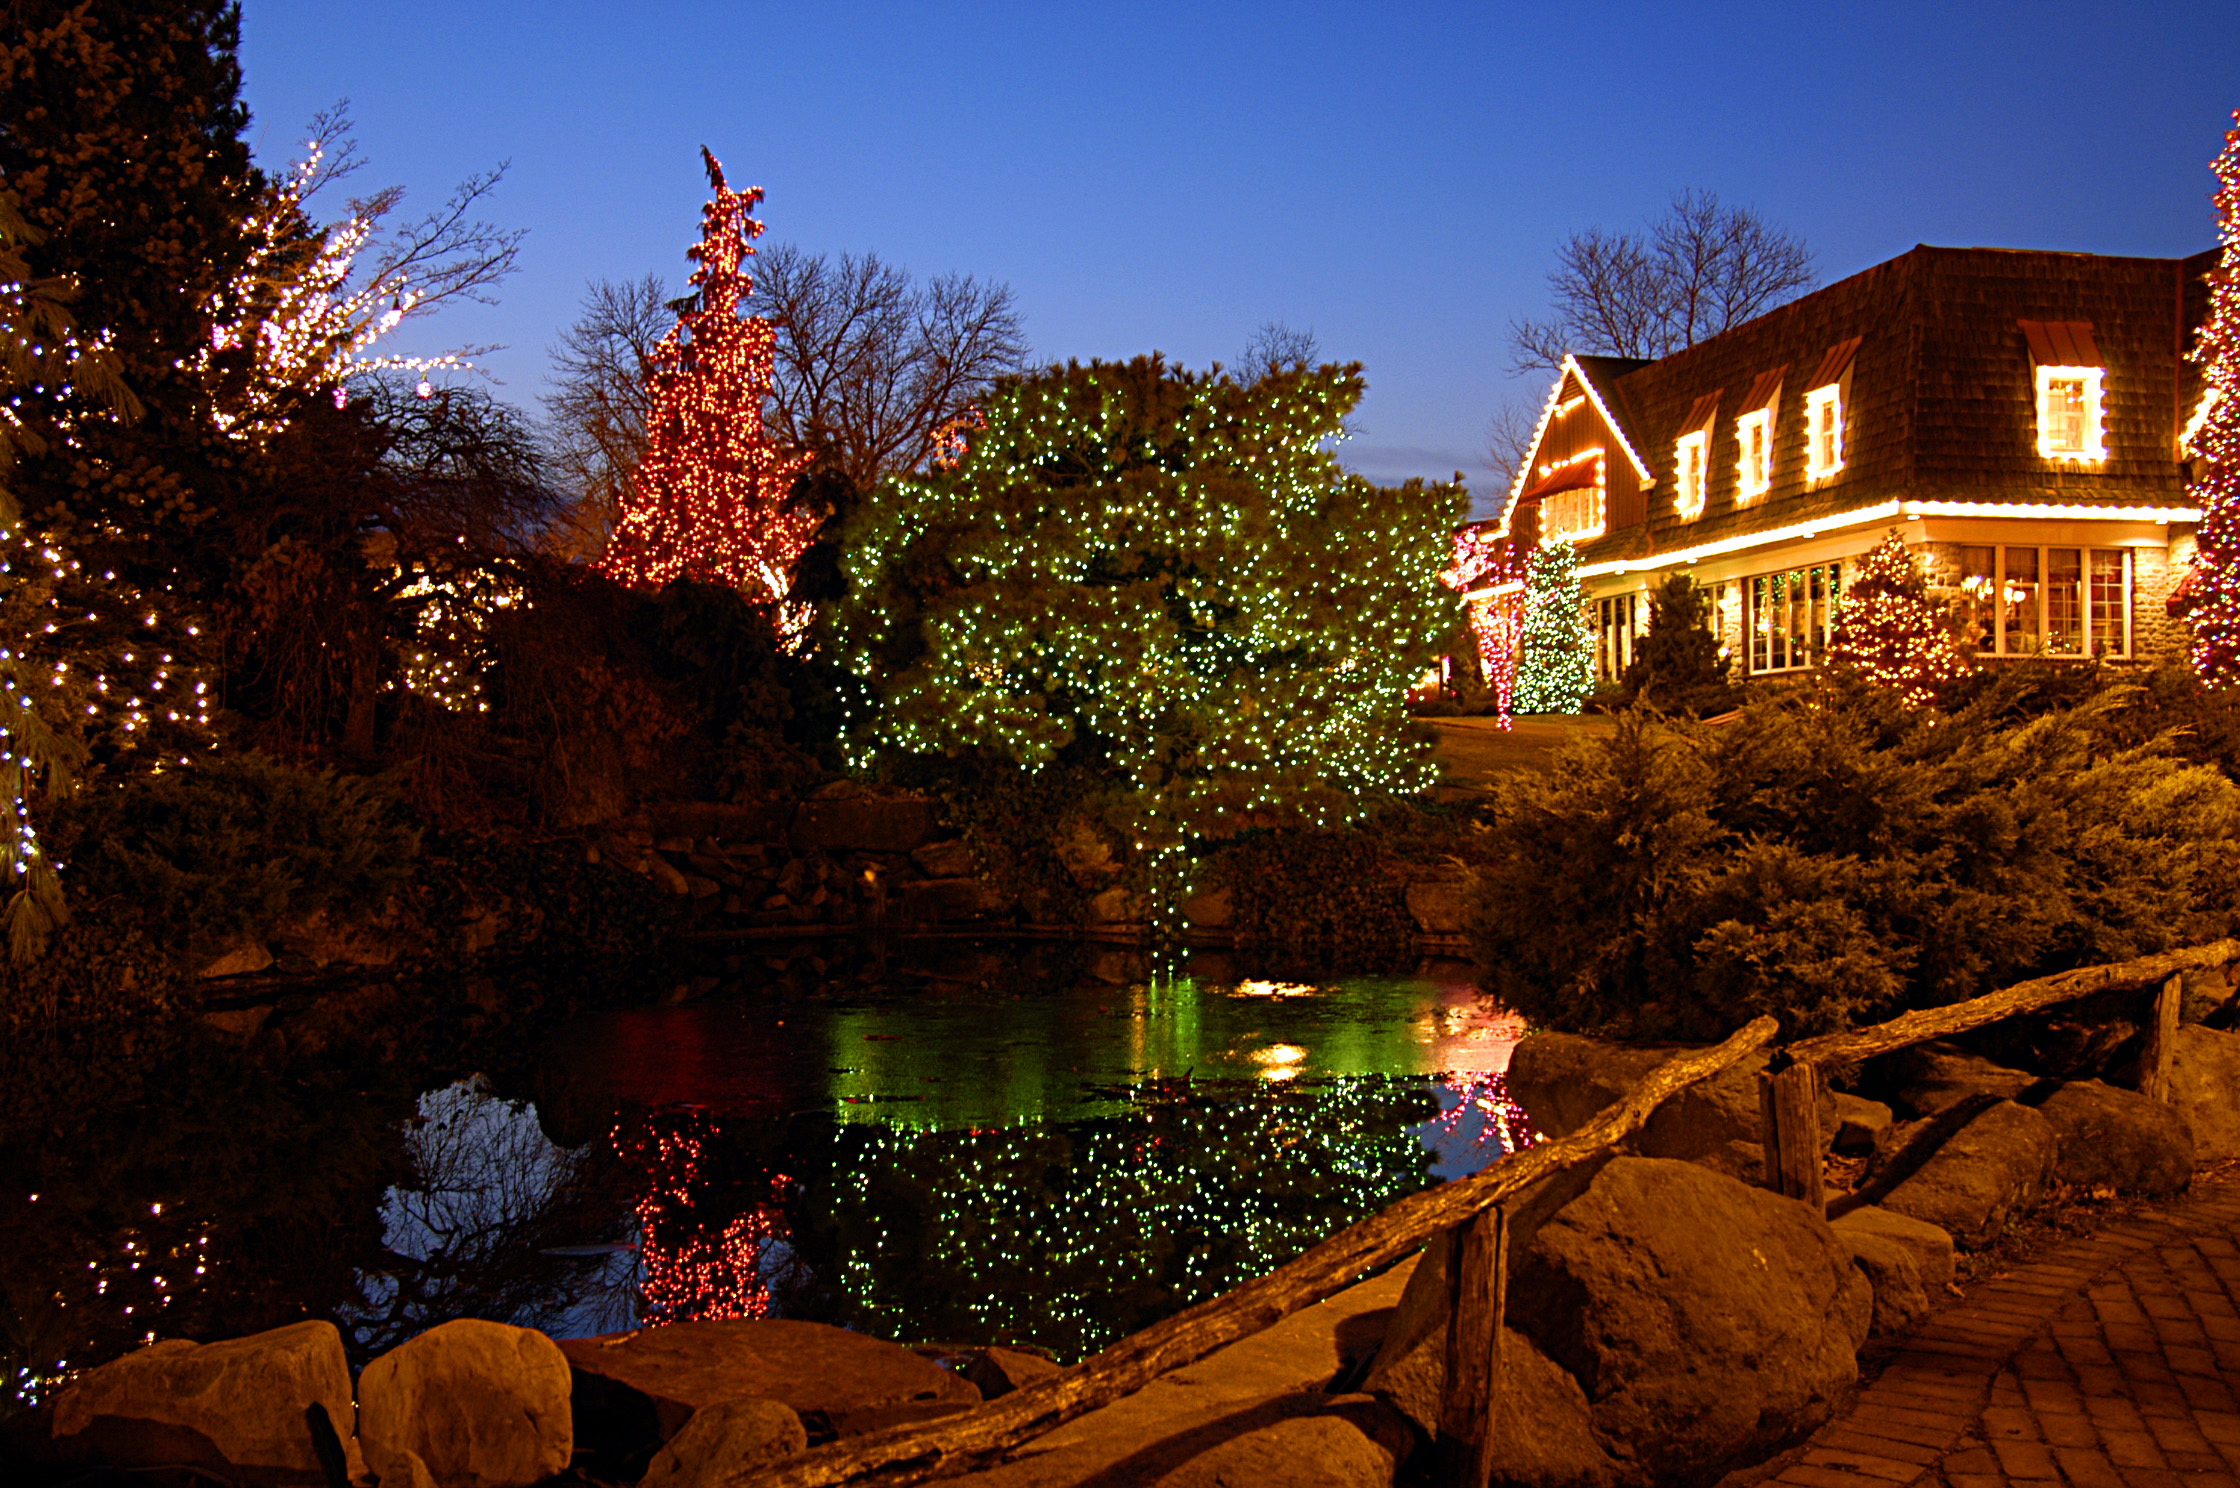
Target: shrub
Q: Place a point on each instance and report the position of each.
(1833, 859)
(1677, 665)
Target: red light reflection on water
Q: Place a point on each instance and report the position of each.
(689, 1270)
(1482, 1097)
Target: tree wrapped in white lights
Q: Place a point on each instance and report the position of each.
(1165, 578)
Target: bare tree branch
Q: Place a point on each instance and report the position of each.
(1509, 442)
(1276, 347)
(600, 402)
(1698, 269)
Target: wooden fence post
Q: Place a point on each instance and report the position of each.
(2162, 1037)
(1789, 1102)
(1466, 1409)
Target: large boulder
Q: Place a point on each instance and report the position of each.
(862, 824)
(1900, 1298)
(1708, 1323)
(1990, 1170)
(725, 1442)
(1562, 1080)
(2118, 1139)
(2204, 1077)
(999, 1371)
(1329, 1449)
(1930, 1247)
(236, 1409)
(1936, 1077)
(478, 1404)
(633, 1390)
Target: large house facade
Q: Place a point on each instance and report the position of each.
(2018, 417)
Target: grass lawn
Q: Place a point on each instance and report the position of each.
(1472, 749)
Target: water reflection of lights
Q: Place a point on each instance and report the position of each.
(1274, 989)
(1279, 1061)
(689, 1273)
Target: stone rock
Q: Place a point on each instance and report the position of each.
(482, 1405)
(2118, 1138)
(862, 824)
(635, 1389)
(246, 957)
(1115, 906)
(1085, 852)
(1708, 1324)
(1900, 1298)
(999, 1371)
(954, 899)
(1211, 909)
(724, 1441)
(664, 873)
(235, 1408)
(1933, 1078)
(1562, 1080)
(726, 823)
(239, 1023)
(1852, 1123)
(1439, 907)
(951, 859)
(1992, 1169)
(1930, 1246)
(2204, 1076)
(1324, 1450)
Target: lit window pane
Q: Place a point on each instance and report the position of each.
(1979, 587)
(2108, 613)
(2065, 601)
(2018, 604)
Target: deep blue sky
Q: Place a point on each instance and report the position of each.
(1392, 176)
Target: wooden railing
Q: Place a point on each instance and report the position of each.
(1790, 1103)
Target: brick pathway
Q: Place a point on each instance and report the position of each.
(2111, 1363)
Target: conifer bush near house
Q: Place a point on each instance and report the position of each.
(1837, 859)
(1889, 632)
(1165, 580)
(1677, 666)
(1555, 667)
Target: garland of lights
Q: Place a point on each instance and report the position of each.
(1555, 665)
(1170, 571)
(2214, 586)
(1890, 631)
(1485, 560)
(710, 501)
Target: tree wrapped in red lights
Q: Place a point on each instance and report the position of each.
(1890, 631)
(711, 502)
(2213, 588)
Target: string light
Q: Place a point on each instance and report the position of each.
(2212, 597)
(1890, 631)
(711, 499)
(1555, 665)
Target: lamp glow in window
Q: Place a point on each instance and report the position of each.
(1691, 463)
(1754, 431)
(1823, 445)
(2069, 425)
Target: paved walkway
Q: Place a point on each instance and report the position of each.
(2111, 1363)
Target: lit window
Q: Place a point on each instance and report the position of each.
(1691, 463)
(2069, 414)
(2050, 601)
(1792, 616)
(1823, 447)
(1755, 433)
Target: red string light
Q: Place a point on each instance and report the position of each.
(687, 1272)
(2211, 593)
(711, 501)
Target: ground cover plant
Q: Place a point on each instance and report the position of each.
(1834, 857)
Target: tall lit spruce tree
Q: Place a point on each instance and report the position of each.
(1167, 579)
(2216, 568)
(711, 501)
(1889, 631)
(1555, 667)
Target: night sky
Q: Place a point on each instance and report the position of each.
(1168, 177)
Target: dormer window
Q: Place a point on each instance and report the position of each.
(1691, 465)
(1823, 437)
(1754, 432)
(2069, 426)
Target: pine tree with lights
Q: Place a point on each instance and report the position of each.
(1555, 671)
(1890, 632)
(712, 499)
(2214, 586)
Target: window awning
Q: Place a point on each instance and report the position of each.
(1833, 364)
(2061, 343)
(1762, 391)
(1701, 412)
(1577, 475)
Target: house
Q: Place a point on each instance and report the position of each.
(2019, 417)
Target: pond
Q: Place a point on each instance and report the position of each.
(935, 1157)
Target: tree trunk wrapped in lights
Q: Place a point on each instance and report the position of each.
(712, 499)
(1890, 631)
(1555, 671)
(2214, 586)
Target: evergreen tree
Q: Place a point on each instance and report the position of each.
(1677, 665)
(1164, 579)
(2214, 587)
(1555, 671)
(711, 499)
(1890, 632)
